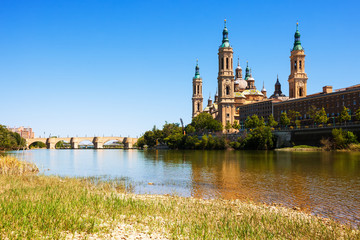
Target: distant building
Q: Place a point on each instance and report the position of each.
(237, 98)
(24, 132)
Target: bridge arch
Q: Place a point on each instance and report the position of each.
(36, 144)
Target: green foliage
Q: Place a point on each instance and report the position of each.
(259, 138)
(189, 129)
(254, 121)
(293, 116)
(344, 115)
(38, 145)
(304, 146)
(228, 126)
(141, 142)
(357, 114)
(284, 120)
(342, 139)
(236, 125)
(10, 140)
(60, 144)
(173, 136)
(312, 112)
(271, 121)
(204, 122)
(320, 116)
(150, 138)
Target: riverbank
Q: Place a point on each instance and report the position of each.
(39, 207)
(304, 148)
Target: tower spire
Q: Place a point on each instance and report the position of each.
(225, 40)
(247, 71)
(297, 43)
(197, 72)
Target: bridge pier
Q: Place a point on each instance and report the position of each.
(128, 143)
(50, 143)
(98, 143)
(74, 143)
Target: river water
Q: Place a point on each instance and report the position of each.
(321, 183)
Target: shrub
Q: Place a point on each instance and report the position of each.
(342, 139)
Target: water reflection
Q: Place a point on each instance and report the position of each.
(322, 183)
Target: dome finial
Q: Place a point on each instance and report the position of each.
(297, 43)
(225, 41)
(197, 72)
(238, 62)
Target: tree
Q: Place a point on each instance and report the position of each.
(259, 138)
(189, 129)
(284, 120)
(271, 121)
(293, 116)
(357, 114)
(60, 144)
(320, 116)
(205, 122)
(10, 140)
(228, 126)
(312, 111)
(342, 139)
(150, 138)
(254, 121)
(236, 125)
(344, 115)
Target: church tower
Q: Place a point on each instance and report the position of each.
(226, 103)
(197, 98)
(297, 78)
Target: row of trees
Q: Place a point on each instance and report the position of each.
(292, 118)
(10, 140)
(198, 135)
(317, 116)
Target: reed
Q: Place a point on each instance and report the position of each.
(10, 165)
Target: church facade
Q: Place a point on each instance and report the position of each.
(237, 97)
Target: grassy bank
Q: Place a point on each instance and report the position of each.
(36, 207)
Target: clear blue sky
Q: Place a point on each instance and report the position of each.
(119, 67)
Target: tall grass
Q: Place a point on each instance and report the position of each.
(12, 166)
(39, 207)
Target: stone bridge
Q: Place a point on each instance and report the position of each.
(74, 141)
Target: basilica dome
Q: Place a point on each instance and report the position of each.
(253, 92)
(241, 82)
(239, 95)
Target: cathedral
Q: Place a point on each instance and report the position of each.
(234, 92)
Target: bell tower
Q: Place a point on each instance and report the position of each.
(197, 98)
(297, 78)
(226, 81)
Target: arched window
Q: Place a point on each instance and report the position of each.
(300, 64)
(198, 106)
(222, 63)
(295, 65)
(227, 63)
(301, 92)
(198, 92)
(227, 90)
(231, 64)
